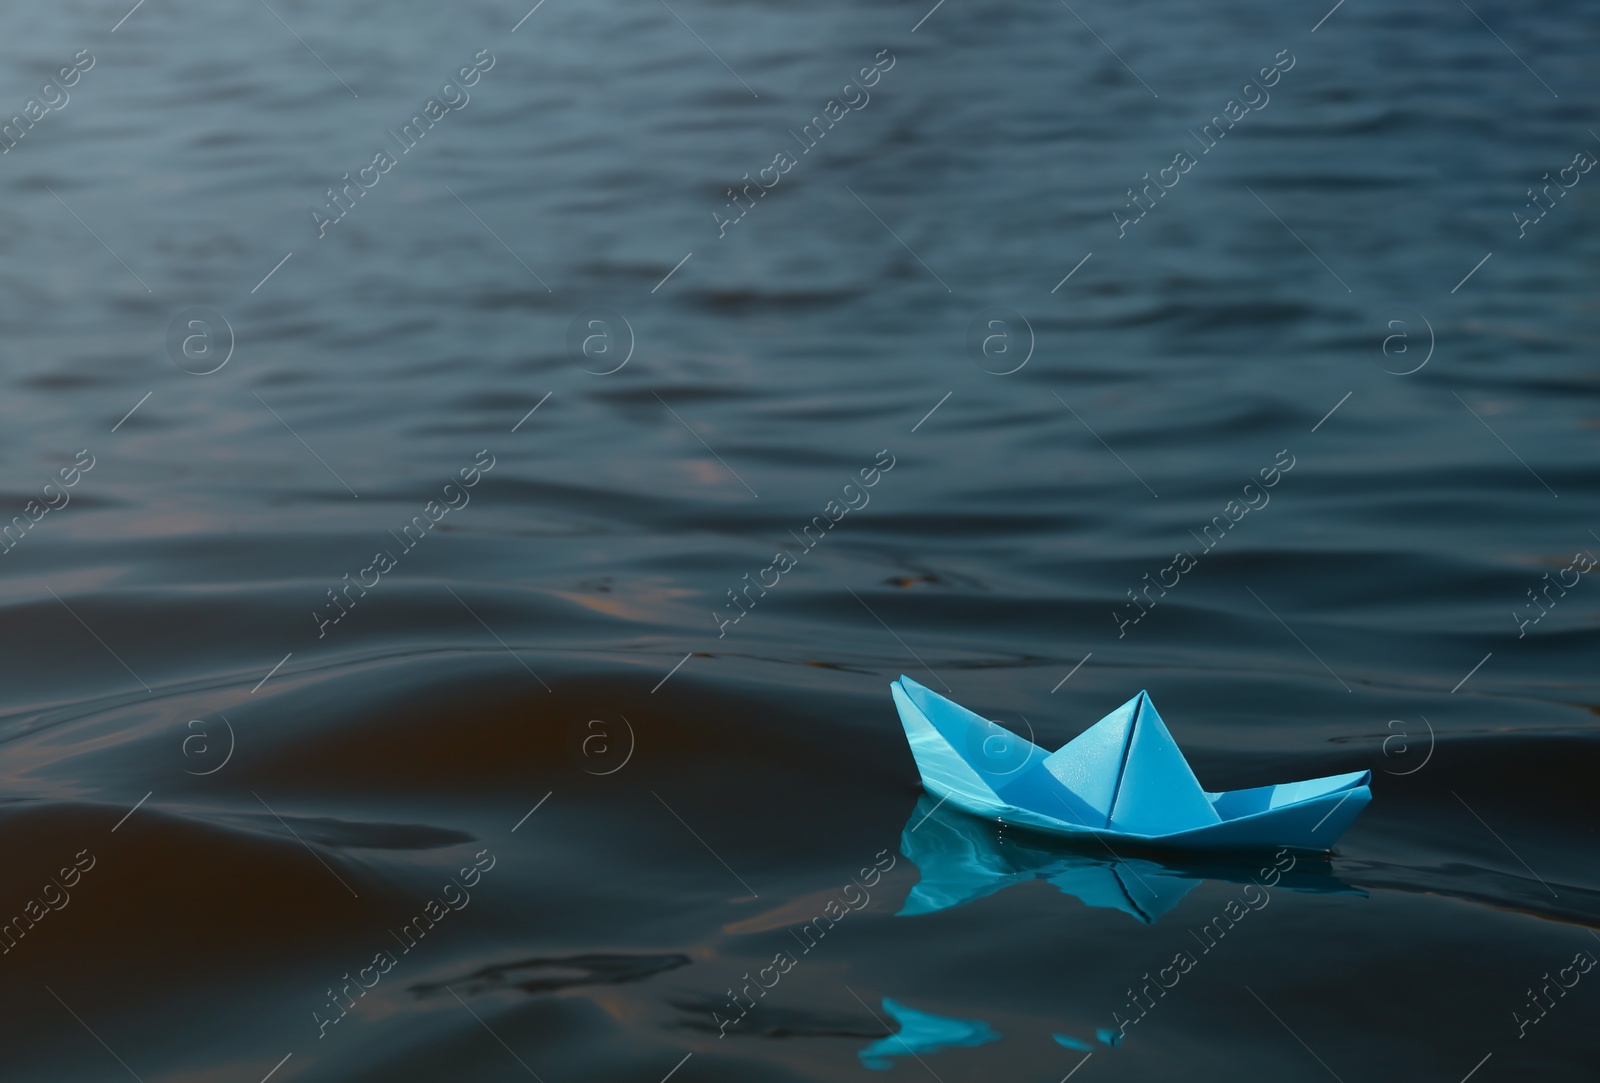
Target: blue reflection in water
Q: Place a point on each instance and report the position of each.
(963, 857)
(921, 1033)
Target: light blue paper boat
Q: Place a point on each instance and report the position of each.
(1122, 778)
(961, 858)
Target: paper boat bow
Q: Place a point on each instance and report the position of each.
(1123, 777)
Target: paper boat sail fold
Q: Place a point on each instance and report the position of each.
(1124, 777)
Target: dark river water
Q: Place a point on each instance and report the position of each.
(461, 534)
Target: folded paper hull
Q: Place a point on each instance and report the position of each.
(1122, 778)
(961, 858)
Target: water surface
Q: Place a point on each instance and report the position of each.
(541, 723)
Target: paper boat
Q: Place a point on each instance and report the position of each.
(961, 858)
(1122, 778)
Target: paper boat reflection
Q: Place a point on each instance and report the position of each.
(1123, 777)
(923, 1032)
(962, 858)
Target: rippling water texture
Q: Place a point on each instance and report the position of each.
(421, 633)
